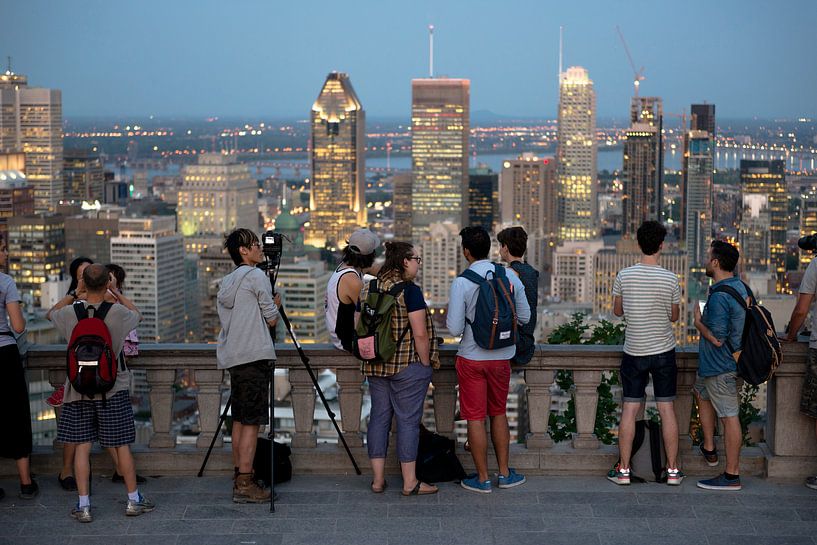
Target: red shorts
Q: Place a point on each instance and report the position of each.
(483, 387)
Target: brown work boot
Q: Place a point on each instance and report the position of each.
(246, 490)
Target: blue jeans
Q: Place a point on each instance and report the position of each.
(402, 396)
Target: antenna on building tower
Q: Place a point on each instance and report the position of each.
(431, 51)
(9, 68)
(561, 49)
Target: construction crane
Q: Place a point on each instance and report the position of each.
(638, 75)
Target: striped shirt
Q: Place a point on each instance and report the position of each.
(648, 293)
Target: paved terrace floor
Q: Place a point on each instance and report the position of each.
(328, 510)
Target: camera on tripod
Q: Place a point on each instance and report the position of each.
(808, 243)
(272, 245)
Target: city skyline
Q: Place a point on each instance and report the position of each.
(109, 71)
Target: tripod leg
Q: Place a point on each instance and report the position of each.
(272, 437)
(215, 435)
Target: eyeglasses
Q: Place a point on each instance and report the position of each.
(416, 258)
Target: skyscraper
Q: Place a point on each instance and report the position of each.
(217, 195)
(84, 176)
(36, 246)
(698, 165)
(763, 190)
(577, 155)
(152, 253)
(16, 194)
(89, 234)
(337, 198)
(641, 183)
(528, 194)
(31, 122)
(440, 125)
(401, 205)
(483, 198)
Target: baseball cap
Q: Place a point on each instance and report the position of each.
(363, 242)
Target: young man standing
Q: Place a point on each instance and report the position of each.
(649, 298)
(247, 310)
(721, 328)
(513, 243)
(107, 418)
(805, 302)
(483, 375)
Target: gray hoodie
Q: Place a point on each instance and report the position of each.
(244, 304)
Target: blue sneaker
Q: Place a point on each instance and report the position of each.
(720, 483)
(473, 484)
(513, 479)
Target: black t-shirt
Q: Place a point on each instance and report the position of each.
(413, 296)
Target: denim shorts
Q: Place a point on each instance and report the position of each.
(722, 391)
(636, 371)
(808, 397)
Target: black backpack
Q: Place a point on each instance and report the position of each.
(282, 472)
(437, 460)
(760, 354)
(649, 462)
(494, 325)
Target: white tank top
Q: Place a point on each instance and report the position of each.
(331, 302)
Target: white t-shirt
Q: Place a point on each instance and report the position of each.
(648, 293)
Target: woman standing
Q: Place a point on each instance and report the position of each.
(398, 387)
(13, 387)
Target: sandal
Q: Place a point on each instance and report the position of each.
(379, 490)
(417, 492)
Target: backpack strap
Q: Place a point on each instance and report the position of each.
(474, 277)
(735, 295)
(499, 271)
(102, 311)
(80, 310)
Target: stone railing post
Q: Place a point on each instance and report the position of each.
(444, 394)
(209, 402)
(538, 383)
(586, 396)
(161, 406)
(687, 373)
(303, 408)
(350, 396)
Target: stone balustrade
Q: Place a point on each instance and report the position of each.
(790, 449)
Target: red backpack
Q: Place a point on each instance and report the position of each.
(91, 362)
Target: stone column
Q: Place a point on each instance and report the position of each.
(161, 406)
(586, 398)
(350, 395)
(445, 400)
(683, 403)
(303, 408)
(538, 386)
(209, 401)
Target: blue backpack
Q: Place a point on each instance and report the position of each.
(494, 325)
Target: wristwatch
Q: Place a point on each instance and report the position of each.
(73, 293)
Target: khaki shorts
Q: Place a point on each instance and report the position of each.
(808, 398)
(722, 391)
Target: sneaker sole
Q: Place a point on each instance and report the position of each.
(523, 480)
(812, 486)
(711, 487)
(472, 489)
(616, 481)
(711, 464)
(675, 482)
(136, 514)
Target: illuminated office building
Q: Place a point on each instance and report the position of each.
(572, 279)
(152, 253)
(698, 168)
(577, 156)
(440, 124)
(401, 205)
(16, 194)
(808, 220)
(217, 195)
(89, 234)
(303, 293)
(765, 206)
(36, 245)
(641, 183)
(337, 203)
(528, 194)
(442, 262)
(83, 175)
(483, 198)
(31, 122)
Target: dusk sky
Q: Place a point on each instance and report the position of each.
(269, 58)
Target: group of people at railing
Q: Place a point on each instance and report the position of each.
(385, 323)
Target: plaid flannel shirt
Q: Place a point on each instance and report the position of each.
(405, 352)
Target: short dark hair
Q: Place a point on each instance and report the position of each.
(476, 240)
(650, 236)
(515, 239)
(73, 268)
(357, 261)
(240, 238)
(96, 277)
(726, 254)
